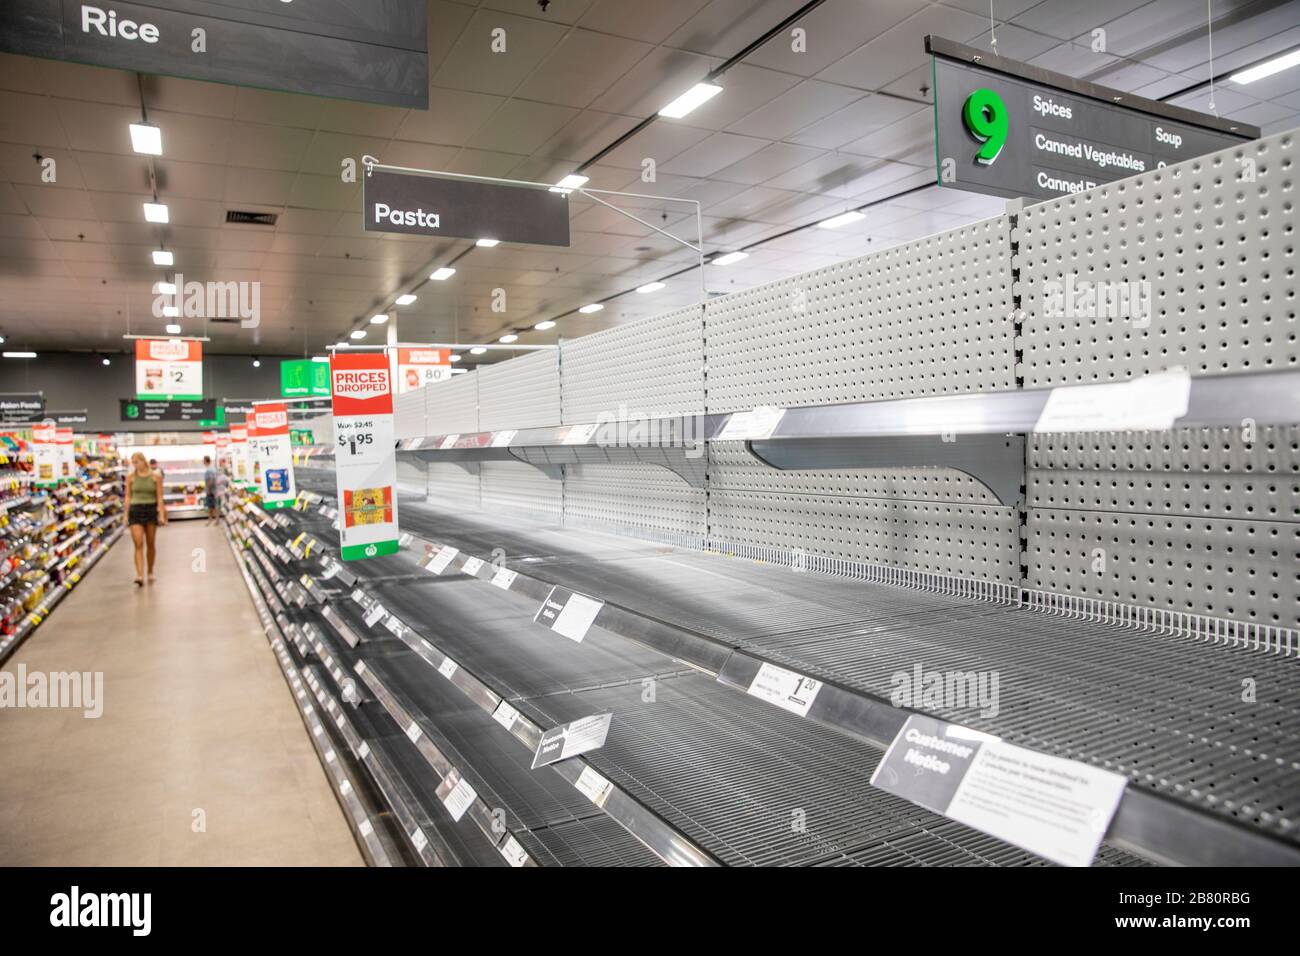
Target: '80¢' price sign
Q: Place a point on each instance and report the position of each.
(365, 454)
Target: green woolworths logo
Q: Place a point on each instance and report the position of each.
(985, 116)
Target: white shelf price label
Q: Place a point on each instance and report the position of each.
(374, 614)
(1152, 403)
(332, 570)
(471, 566)
(785, 689)
(419, 840)
(593, 786)
(448, 441)
(502, 439)
(459, 795)
(359, 596)
(413, 731)
(504, 578)
(365, 828)
(394, 626)
(568, 613)
(448, 668)
(505, 714)
(515, 854)
(751, 426)
(364, 750)
(446, 554)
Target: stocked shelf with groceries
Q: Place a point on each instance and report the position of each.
(51, 534)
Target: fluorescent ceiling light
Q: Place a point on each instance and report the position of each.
(543, 325)
(650, 287)
(729, 258)
(477, 350)
(173, 329)
(164, 288)
(379, 319)
(487, 243)
(320, 358)
(357, 333)
(155, 212)
(20, 355)
(405, 299)
(508, 338)
(588, 309)
(1267, 68)
(161, 257)
(843, 219)
(257, 363)
(455, 356)
(146, 138)
(106, 360)
(460, 371)
(570, 182)
(171, 311)
(696, 96)
(442, 274)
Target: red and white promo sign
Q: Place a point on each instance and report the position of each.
(365, 456)
(168, 369)
(67, 456)
(241, 467)
(46, 459)
(269, 438)
(417, 368)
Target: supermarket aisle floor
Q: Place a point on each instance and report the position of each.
(197, 724)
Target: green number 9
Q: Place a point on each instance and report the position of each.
(985, 116)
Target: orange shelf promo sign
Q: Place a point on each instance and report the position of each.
(418, 367)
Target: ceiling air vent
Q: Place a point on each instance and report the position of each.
(251, 218)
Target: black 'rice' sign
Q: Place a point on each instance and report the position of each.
(464, 209)
(375, 51)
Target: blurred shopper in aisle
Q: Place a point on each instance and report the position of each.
(145, 511)
(211, 477)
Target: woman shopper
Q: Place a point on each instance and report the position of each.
(145, 512)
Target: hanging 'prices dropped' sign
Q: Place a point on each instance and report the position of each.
(274, 455)
(168, 369)
(365, 459)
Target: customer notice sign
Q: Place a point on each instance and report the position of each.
(420, 205)
(349, 49)
(365, 456)
(1009, 129)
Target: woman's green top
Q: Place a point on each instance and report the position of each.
(144, 489)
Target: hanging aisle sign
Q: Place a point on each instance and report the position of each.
(365, 456)
(419, 367)
(169, 369)
(434, 206)
(1011, 129)
(241, 469)
(346, 49)
(45, 455)
(274, 455)
(67, 455)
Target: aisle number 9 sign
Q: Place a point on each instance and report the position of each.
(365, 454)
(985, 116)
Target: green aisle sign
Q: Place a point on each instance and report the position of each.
(304, 378)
